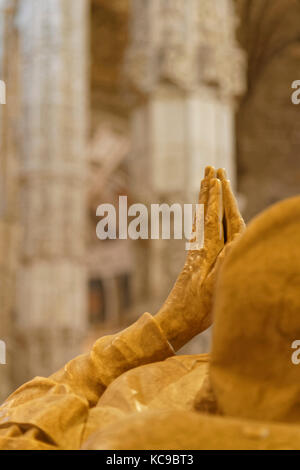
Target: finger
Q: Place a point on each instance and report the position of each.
(234, 221)
(213, 226)
(210, 173)
(221, 174)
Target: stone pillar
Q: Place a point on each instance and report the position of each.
(51, 286)
(9, 229)
(186, 70)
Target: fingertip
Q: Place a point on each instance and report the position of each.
(207, 171)
(210, 172)
(221, 174)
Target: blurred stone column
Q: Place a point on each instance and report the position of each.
(185, 69)
(9, 228)
(51, 287)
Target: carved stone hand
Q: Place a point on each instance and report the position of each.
(187, 310)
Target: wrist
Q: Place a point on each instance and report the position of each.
(175, 330)
(180, 325)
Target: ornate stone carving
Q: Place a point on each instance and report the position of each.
(188, 43)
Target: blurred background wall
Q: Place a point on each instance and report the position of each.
(127, 97)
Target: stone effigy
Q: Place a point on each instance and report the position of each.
(132, 392)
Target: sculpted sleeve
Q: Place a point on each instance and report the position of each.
(50, 413)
